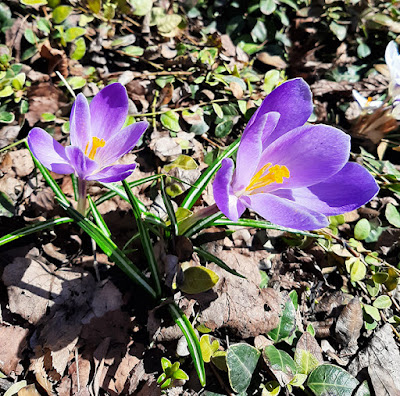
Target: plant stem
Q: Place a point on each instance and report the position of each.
(81, 196)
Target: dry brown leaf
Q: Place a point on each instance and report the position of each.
(350, 323)
(11, 352)
(127, 364)
(272, 60)
(8, 134)
(37, 366)
(308, 343)
(236, 90)
(57, 59)
(99, 357)
(22, 162)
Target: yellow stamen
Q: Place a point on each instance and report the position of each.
(275, 174)
(369, 99)
(96, 143)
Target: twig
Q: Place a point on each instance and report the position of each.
(78, 382)
(66, 84)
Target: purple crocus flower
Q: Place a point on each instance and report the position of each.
(291, 174)
(97, 140)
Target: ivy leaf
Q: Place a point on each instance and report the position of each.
(198, 280)
(170, 120)
(287, 323)
(241, 360)
(392, 215)
(281, 364)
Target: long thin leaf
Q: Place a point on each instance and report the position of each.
(110, 249)
(201, 224)
(148, 217)
(201, 183)
(145, 238)
(210, 257)
(193, 342)
(12, 236)
(98, 218)
(169, 208)
(263, 225)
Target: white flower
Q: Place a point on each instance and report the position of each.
(392, 59)
(366, 103)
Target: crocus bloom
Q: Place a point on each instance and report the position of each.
(366, 104)
(291, 174)
(392, 59)
(97, 140)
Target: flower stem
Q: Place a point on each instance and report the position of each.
(81, 196)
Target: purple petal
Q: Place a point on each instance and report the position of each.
(226, 201)
(108, 111)
(48, 151)
(349, 189)
(293, 101)
(113, 173)
(311, 153)
(83, 166)
(121, 143)
(286, 213)
(80, 123)
(250, 148)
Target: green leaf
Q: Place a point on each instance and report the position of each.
(133, 50)
(372, 311)
(61, 13)
(198, 279)
(363, 50)
(180, 375)
(392, 215)
(76, 82)
(183, 162)
(380, 277)
(6, 91)
(141, 7)
(218, 110)
(223, 129)
(218, 359)
(210, 257)
(79, 49)
(123, 41)
(18, 81)
(74, 32)
(170, 120)
(259, 31)
(94, 5)
(6, 117)
(382, 302)
(241, 360)
(169, 208)
(193, 343)
(144, 237)
(165, 363)
(287, 323)
(44, 25)
(362, 229)
(339, 31)
(48, 117)
(98, 218)
(271, 388)
(305, 360)
(33, 2)
(207, 348)
(267, 7)
(328, 379)
(30, 36)
(7, 208)
(202, 182)
(278, 361)
(358, 271)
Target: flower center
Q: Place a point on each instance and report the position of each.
(262, 178)
(96, 143)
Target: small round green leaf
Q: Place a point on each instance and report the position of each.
(382, 302)
(170, 120)
(358, 271)
(373, 312)
(72, 33)
(362, 229)
(6, 91)
(207, 348)
(280, 363)
(79, 49)
(6, 117)
(141, 7)
(33, 2)
(392, 215)
(61, 13)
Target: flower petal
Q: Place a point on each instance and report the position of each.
(312, 154)
(121, 143)
(250, 148)
(108, 111)
(113, 173)
(226, 201)
(286, 213)
(391, 53)
(350, 188)
(79, 123)
(48, 151)
(293, 101)
(83, 165)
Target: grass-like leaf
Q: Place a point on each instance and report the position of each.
(98, 218)
(200, 225)
(144, 237)
(210, 257)
(193, 342)
(263, 225)
(169, 208)
(201, 183)
(43, 225)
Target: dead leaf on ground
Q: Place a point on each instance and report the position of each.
(350, 323)
(382, 358)
(11, 352)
